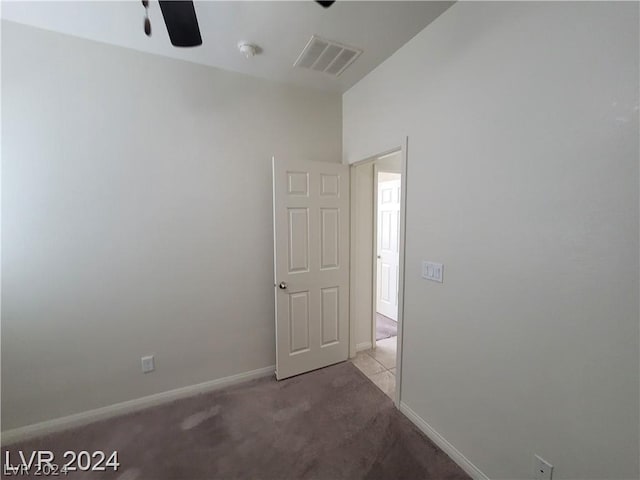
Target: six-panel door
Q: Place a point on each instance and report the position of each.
(311, 243)
(388, 248)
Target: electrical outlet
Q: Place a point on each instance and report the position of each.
(544, 470)
(148, 364)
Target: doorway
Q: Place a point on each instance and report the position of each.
(377, 199)
(388, 252)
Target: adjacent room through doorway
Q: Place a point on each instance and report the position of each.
(388, 254)
(377, 199)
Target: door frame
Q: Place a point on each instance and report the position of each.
(403, 149)
(374, 268)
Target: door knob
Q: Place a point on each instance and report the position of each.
(379, 256)
(283, 285)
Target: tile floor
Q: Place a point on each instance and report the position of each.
(379, 365)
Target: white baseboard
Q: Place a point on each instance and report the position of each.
(363, 346)
(83, 418)
(462, 461)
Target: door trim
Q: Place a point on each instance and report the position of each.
(403, 216)
(275, 269)
(403, 148)
(374, 267)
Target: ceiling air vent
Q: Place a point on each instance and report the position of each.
(326, 56)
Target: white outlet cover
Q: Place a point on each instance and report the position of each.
(544, 470)
(148, 364)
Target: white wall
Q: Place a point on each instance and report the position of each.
(522, 121)
(136, 219)
(362, 254)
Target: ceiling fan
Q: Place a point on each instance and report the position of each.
(182, 23)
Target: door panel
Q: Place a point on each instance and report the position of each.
(298, 183)
(330, 315)
(388, 248)
(299, 322)
(330, 238)
(298, 245)
(311, 264)
(330, 186)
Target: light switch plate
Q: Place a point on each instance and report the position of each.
(148, 364)
(432, 271)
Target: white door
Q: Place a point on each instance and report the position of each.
(311, 248)
(388, 246)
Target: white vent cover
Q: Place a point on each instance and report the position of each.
(326, 56)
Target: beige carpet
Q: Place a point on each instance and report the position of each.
(328, 424)
(385, 327)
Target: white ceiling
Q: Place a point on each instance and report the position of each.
(280, 29)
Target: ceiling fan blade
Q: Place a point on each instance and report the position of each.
(181, 21)
(326, 4)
